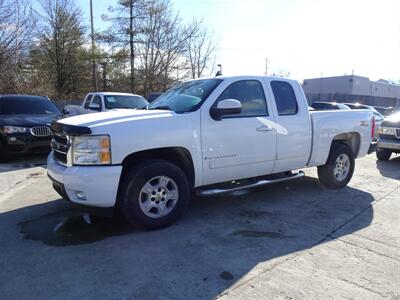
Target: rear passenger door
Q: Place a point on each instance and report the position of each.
(293, 125)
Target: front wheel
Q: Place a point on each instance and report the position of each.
(383, 154)
(154, 194)
(339, 168)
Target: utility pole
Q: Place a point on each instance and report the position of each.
(131, 44)
(266, 66)
(94, 79)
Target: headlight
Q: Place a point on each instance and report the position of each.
(91, 150)
(15, 129)
(387, 130)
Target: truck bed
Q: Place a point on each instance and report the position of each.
(326, 125)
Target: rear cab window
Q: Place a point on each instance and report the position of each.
(285, 98)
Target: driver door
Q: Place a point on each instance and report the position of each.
(241, 145)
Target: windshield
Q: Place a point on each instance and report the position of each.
(187, 96)
(27, 105)
(124, 101)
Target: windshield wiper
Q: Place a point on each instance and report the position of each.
(162, 107)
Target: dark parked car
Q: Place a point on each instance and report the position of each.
(329, 106)
(389, 137)
(25, 124)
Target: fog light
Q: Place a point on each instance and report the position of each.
(80, 195)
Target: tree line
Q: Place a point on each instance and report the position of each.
(146, 48)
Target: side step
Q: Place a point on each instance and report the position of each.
(261, 182)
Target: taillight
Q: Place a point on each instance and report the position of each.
(373, 127)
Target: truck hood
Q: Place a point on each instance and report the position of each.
(115, 117)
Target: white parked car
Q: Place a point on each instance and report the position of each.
(105, 101)
(201, 136)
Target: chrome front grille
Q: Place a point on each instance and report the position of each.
(60, 146)
(40, 131)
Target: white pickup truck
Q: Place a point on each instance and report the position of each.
(210, 136)
(105, 101)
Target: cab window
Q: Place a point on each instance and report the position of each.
(251, 95)
(97, 100)
(285, 98)
(88, 99)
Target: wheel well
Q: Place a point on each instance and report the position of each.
(177, 155)
(351, 139)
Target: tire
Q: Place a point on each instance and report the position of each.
(154, 194)
(339, 168)
(383, 154)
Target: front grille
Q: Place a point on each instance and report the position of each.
(60, 147)
(40, 131)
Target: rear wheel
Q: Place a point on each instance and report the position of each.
(339, 168)
(154, 194)
(383, 154)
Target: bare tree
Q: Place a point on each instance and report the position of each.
(163, 44)
(156, 44)
(17, 24)
(124, 18)
(59, 53)
(201, 50)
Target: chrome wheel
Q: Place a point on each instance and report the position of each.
(342, 167)
(158, 196)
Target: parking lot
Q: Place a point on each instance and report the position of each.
(293, 240)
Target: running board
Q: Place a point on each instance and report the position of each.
(262, 182)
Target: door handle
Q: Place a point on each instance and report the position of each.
(264, 128)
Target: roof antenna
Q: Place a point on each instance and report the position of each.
(219, 73)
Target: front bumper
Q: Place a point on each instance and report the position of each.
(389, 144)
(95, 186)
(21, 143)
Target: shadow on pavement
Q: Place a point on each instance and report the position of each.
(390, 168)
(24, 162)
(217, 242)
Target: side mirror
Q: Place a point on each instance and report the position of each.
(226, 107)
(65, 111)
(94, 106)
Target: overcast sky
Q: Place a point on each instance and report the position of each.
(304, 37)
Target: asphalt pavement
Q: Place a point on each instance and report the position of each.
(294, 240)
